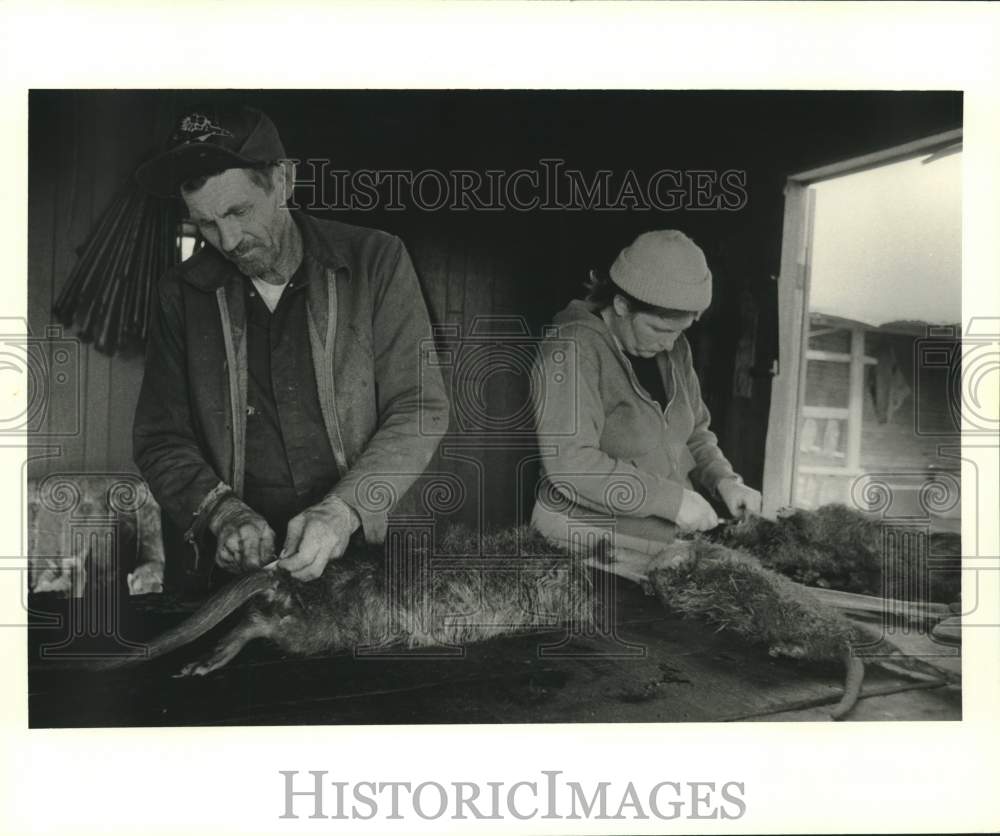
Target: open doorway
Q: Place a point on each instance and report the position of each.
(870, 284)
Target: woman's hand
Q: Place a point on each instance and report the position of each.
(695, 513)
(739, 499)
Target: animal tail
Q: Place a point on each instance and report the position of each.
(852, 686)
(223, 603)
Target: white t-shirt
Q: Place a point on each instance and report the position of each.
(270, 293)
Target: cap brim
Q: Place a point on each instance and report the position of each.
(163, 175)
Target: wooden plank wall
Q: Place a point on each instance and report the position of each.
(82, 150)
(471, 293)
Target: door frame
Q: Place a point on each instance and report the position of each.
(780, 452)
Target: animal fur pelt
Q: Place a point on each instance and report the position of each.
(840, 548)
(475, 588)
(471, 589)
(731, 590)
(526, 586)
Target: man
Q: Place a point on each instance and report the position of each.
(290, 395)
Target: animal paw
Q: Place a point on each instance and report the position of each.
(221, 656)
(199, 668)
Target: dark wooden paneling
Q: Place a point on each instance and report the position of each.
(126, 378)
(43, 138)
(458, 275)
(84, 148)
(72, 168)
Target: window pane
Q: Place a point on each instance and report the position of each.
(823, 441)
(827, 383)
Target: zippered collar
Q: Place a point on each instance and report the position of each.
(642, 393)
(581, 312)
(209, 270)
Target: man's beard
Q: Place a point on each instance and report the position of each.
(257, 262)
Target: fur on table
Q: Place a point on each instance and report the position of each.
(839, 548)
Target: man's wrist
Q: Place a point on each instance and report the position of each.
(222, 510)
(333, 502)
(206, 508)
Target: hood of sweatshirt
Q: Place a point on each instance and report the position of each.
(586, 314)
(583, 312)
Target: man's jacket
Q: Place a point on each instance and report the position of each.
(380, 389)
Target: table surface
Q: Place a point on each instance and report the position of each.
(653, 667)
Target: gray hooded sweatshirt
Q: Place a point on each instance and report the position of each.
(606, 445)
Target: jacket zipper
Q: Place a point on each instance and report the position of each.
(331, 330)
(237, 408)
(634, 381)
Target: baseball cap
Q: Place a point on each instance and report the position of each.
(210, 139)
(665, 268)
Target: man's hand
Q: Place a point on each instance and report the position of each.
(695, 513)
(316, 536)
(739, 499)
(244, 540)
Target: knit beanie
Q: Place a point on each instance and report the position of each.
(665, 268)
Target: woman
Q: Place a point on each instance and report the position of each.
(623, 431)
